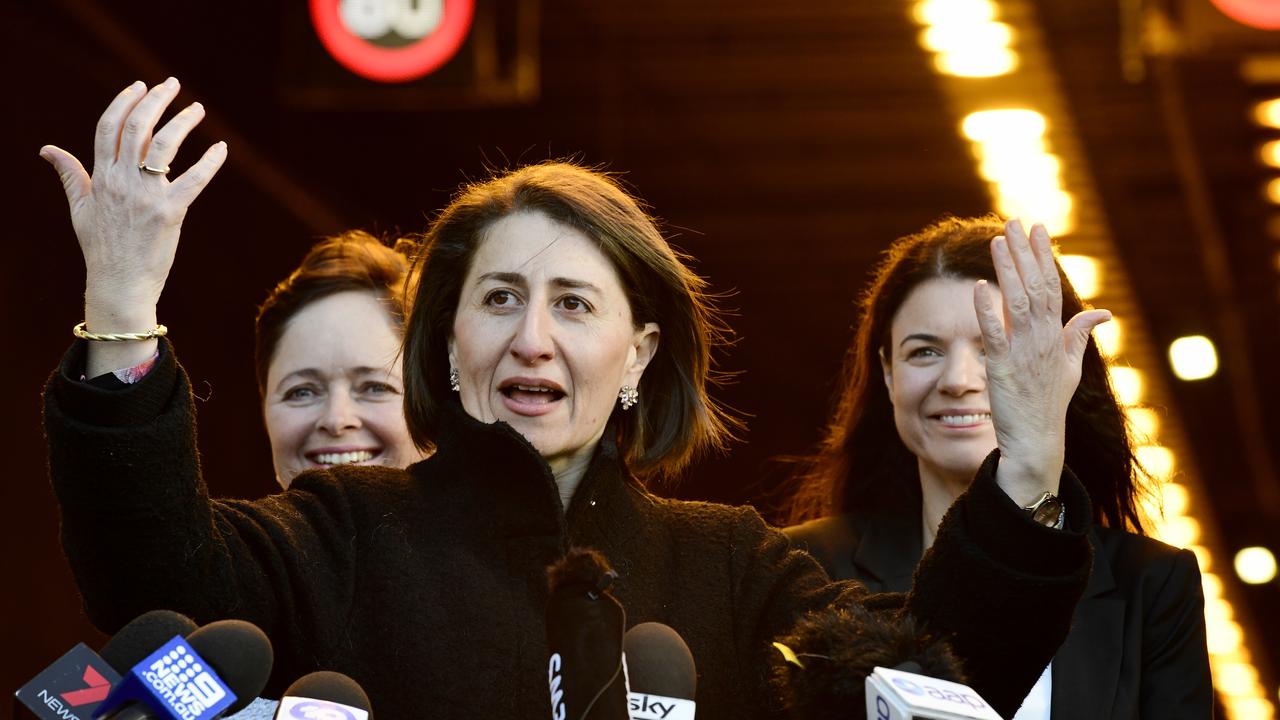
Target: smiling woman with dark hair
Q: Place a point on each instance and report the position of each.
(557, 358)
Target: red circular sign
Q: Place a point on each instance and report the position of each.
(1263, 14)
(399, 64)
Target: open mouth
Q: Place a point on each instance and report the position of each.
(531, 393)
(963, 420)
(346, 457)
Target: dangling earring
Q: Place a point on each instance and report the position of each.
(455, 379)
(628, 396)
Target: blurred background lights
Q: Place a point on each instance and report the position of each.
(1255, 565)
(1273, 191)
(1025, 178)
(1127, 384)
(1005, 125)
(979, 62)
(1267, 113)
(1085, 275)
(1157, 460)
(1270, 153)
(1193, 357)
(1178, 531)
(966, 39)
(1144, 424)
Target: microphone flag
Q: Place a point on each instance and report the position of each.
(175, 683)
(900, 695)
(72, 687)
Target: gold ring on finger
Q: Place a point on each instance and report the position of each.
(153, 170)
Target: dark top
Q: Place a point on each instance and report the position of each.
(1137, 643)
(428, 585)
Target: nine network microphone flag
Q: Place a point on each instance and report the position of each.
(71, 688)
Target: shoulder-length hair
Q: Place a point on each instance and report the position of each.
(862, 462)
(675, 417)
(354, 260)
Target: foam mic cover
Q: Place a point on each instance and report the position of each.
(661, 674)
(584, 639)
(142, 636)
(823, 663)
(241, 655)
(325, 694)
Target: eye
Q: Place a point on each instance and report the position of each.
(376, 388)
(501, 299)
(574, 304)
(923, 352)
(300, 394)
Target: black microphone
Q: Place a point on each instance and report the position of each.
(661, 675)
(823, 663)
(220, 668)
(79, 681)
(585, 625)
(324, 695)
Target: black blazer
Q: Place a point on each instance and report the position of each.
(1137, 643)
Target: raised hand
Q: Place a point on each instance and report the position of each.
(1033, 361)
(128, 218)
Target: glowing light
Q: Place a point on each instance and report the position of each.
(1267, 113)
(1157, 460)
(1263, 14)
(1270, 153)
(1175, 496)
(1085, 274)
(1193, 357)
(1003, 125)
(948, 12)
(978, 62)
(1203, 558)
(1218, 610)
(1272, 191)
(965, 36)
(1211, 584)
(1255, 565)
(1144, 423)
(1127, 383)
(1224, 637)
(1179, 531)
(1248, 708)
(1108, 335)
(1235, 678)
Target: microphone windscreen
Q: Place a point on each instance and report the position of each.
(142, 636)
(833, 650)
(241, 655)
(659, 662)
(331, 686)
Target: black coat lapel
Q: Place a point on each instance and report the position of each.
(889, 549)
(1086, 668)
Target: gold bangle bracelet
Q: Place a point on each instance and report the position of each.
(81, 332)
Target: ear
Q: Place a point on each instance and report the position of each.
(886, 367)
(644, 346)
(453, 352)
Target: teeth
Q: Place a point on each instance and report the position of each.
(532, 388)
(964, 419)
(344, 458)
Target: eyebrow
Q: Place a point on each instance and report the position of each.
(925, 337)
(512, 278)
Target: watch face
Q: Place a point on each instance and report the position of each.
(1047, 512)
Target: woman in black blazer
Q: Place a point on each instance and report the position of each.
(912, 427)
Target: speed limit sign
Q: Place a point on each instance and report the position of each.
(392, 41)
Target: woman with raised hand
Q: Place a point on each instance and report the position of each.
(557, 356)
(922, 411)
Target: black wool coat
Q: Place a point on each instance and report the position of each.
(428, 585)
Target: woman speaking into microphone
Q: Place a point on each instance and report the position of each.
(557, 357)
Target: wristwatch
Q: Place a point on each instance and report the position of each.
(1048, 511)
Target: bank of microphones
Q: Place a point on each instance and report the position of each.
(841, 659)
(161, 666)
(599, 671)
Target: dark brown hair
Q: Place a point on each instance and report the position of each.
(354, 260)
(675, 417)
(862, 463)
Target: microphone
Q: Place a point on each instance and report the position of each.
(584, 638)
(903, 693)
(219, 669)
(324, 695)
(824, 662)
(77, 683)
(660, 672)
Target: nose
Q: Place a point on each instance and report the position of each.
(532, 343)
(340, 414)
(965, 372)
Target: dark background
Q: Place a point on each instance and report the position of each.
(783, 145)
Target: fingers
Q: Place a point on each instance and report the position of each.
(106, 140)
(1076, 333)
(994, 339)
(164, 146)
(75, 181)
(141, 120)
(1017, 306)
(191, 183)
(1042, 246)
(1024, 258)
